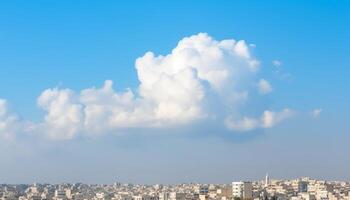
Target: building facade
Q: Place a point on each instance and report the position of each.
(242, 189)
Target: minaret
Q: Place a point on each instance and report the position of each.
(267, 180)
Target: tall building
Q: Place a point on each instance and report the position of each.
(242, 189)
(267, 180)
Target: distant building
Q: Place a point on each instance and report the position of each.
(60, 194)
(171, 196)
(100, 196)
(162, 196)
(302, 186)
(267, 180)
(242, 189)
(226, 192)
(149, 197)
(177, 196)
(204, 189)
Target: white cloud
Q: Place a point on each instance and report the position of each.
(270, 118)
(267, 120)
(8, 121)
(252, 45)
(191, 83)
(277, 63)
(264, 87)
(279, 71)
(244, 124)
(316, 112)
(64, 114)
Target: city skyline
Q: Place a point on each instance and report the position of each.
(263, 180)
(297, 189)
(174, 91)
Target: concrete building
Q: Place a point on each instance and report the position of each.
(302, 186)
(177, 196)
(60, 194)
(162, 196)
(242, 189)
(204, 189)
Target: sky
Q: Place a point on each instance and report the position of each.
(173, 91)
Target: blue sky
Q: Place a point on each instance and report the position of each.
(80, 44)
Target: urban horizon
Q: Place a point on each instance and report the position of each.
(263, 179)
(174, 100)
(297, 189)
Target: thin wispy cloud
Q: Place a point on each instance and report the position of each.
(277, 63)
(316, 112)
(279, 71)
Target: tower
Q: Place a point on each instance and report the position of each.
(267, 180)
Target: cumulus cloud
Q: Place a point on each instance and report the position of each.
(264, 86)
(8, 121)
(199, 76)
(64, 116)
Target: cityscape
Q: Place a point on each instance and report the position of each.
(304, 188)
(174, 100)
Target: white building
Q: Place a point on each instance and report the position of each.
(100, 195)
(242, 189)
(60, 194)
(177, 196)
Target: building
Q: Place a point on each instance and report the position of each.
(225, 192)
(204, 189)
(100, 196)
(161, 196)
(60, 194)
(302, 186)
(177, 196)
(242, 189)
(171, 196)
